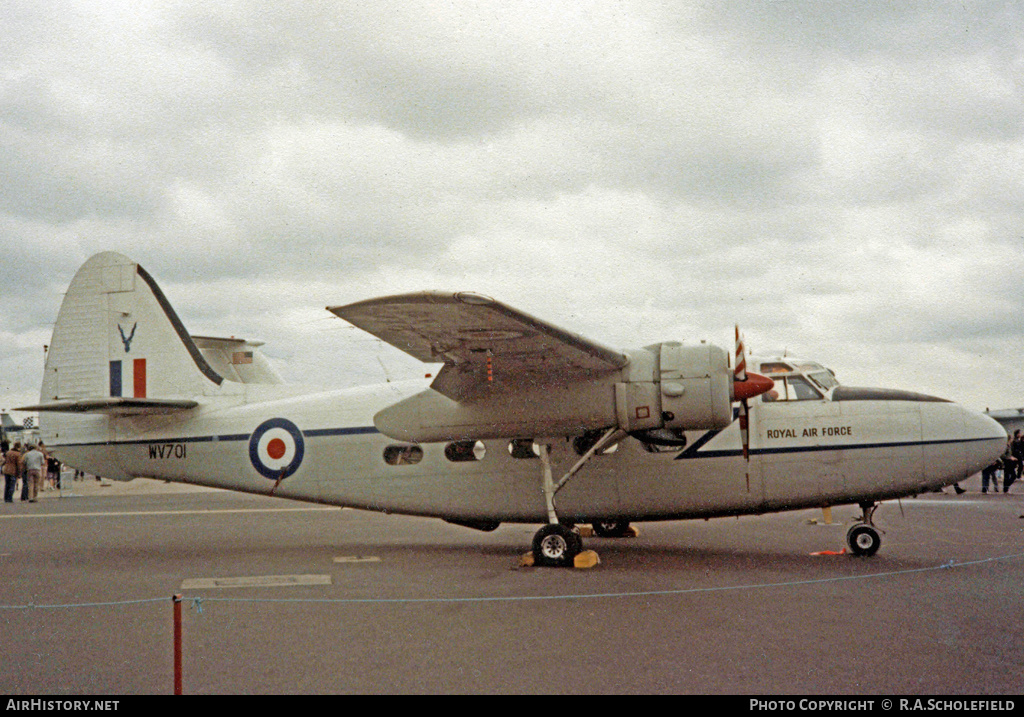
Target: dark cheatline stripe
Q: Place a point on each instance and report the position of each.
(812, 449)
(315, 433)
(853, 393)
(692, 451)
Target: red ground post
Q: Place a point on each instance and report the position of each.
(177, 643)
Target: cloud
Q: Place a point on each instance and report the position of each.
(841, 180)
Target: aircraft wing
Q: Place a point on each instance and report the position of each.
(481, 341)
(115, 406)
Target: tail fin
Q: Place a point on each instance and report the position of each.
(117, 341)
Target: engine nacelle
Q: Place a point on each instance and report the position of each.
(665, 386)
(675, 387)
(696, 386)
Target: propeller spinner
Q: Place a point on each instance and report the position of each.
(747, 384)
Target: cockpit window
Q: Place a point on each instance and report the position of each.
(824, 379)
(771, 367)
(808, 366)
(800, 389)
(791, 388)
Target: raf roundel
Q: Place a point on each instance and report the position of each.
(276, 448)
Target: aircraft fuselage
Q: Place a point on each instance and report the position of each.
(802, 454)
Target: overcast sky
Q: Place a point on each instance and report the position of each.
(843, 179)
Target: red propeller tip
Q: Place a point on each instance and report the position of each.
(755, 385)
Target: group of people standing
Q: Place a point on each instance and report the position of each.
(1010, 463)
(29, 464)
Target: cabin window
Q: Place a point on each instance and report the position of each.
(463, 451)
(523, 448)
(402, 455)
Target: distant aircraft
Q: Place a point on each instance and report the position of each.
(7, 424)
(525, 423)
(1011, 419)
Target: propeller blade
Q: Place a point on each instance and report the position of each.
(746, 385)
(739, 383)
(740, 365)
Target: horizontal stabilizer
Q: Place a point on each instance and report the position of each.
(237, 359)
(115, 406)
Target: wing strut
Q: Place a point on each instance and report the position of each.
(610, 436)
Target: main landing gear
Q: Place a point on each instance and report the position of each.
(557, 545)
(612, 528)
(863, 538)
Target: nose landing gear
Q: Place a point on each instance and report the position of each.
(863, 538)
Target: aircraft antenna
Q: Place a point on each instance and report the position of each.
(387, 376)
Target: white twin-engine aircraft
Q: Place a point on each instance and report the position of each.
(525, 423)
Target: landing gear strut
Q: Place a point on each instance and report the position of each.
(863, 538)
(555, 544)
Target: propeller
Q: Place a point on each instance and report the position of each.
(746, 385)
(740, 377)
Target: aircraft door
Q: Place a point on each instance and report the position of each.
(797, 428)
(789, 469)
(830, 434)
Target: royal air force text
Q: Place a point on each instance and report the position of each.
(823, 432)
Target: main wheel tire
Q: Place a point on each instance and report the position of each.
(863, 540)
(610, 528)
(556, 546)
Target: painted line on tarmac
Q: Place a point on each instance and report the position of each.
(167, 512)
(255, 581)
(198, 601)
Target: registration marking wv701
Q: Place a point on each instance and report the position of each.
(158, 451)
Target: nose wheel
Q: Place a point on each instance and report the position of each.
(863, 538)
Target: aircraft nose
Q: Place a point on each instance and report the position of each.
(984, 440)
(958, 442)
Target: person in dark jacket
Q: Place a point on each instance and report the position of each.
(1012, 472)
(11, 469)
